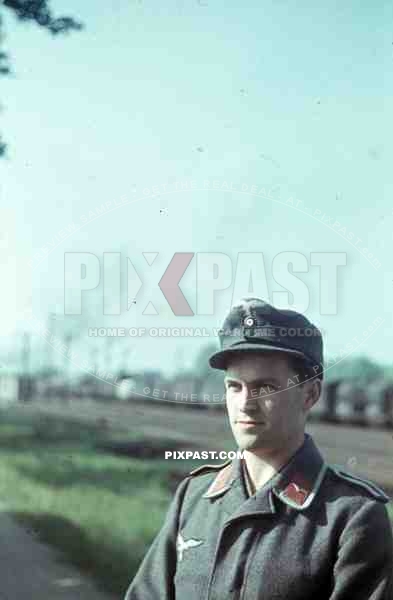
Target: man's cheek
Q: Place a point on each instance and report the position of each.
(269, 407)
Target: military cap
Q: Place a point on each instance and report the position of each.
(255, 325)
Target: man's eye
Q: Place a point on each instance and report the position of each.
(232, 385)
(268, 389)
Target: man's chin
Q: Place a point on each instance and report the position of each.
(251, 444)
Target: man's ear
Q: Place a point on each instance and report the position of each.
(311, 393)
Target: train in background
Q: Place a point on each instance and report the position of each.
(341, 401)
(345, 401)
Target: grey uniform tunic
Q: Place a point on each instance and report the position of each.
(313, 530)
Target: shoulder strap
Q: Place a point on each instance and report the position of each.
(369, 486)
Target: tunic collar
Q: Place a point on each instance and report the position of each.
(296, 484)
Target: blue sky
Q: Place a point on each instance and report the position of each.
(290, 96)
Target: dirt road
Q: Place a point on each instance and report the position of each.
(32, 570)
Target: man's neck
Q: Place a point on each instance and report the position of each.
(262, 465)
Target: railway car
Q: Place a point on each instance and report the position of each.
(51, 387)
(138, 385)
(212, 392)
(379, 411)
(326, 407)
(9, 387)
(352, 402)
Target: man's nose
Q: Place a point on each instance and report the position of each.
(248, 400)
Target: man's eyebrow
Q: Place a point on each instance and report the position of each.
(257, 382)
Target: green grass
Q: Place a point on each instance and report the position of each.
(100, 510)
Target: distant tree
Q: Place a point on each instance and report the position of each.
(202, 371)
(201, 367)
(39, 12)
(361, 369)
(388, 372)
(47, 371)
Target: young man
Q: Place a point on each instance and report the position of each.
(280, 524)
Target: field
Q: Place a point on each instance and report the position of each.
(101, 510)
(68, 475)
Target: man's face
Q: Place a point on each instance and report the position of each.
(257, 390)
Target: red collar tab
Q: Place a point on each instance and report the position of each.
(221, 483)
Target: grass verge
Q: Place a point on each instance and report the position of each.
(101, 511)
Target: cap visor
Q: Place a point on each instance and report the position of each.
(219, 359)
